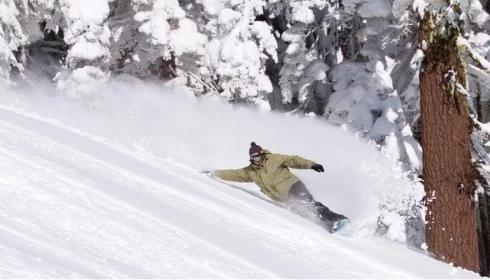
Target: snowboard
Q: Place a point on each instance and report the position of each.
(338, 225)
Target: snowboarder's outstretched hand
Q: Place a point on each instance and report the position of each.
(209, 173)
(317, 167)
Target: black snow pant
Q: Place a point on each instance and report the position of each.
(302, 202)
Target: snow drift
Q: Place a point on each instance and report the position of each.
(109, 186)
(208, 133)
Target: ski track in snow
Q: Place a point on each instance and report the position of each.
(76, 206)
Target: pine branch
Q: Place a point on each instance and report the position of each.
(479, 60)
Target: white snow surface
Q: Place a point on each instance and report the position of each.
(111, 188)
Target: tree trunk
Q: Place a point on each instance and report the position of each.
(449, 176)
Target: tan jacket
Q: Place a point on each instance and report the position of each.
(273, 176)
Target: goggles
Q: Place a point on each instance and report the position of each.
(256, 158)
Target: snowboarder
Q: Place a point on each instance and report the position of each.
(271, 173)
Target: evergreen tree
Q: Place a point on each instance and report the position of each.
(307, 33)
(239, 45)
(153, 38)
(12, 39)
(450, 177)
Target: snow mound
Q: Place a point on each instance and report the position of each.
(110, 187)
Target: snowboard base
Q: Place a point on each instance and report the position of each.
(339, 225)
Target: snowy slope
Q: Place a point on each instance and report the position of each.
(100, 191)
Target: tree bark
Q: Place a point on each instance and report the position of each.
(449, 176)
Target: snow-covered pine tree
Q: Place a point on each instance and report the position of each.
(307, 33)
(239, 46)
(87, 34)
(44, 51)
(154, 38)
(12, 39)
(48, 32)
(336, 60)
(368, 97)
(450, 173)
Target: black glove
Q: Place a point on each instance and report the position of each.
(317, 167)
